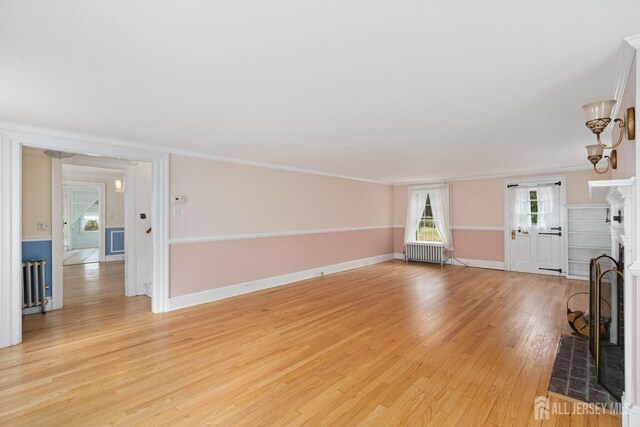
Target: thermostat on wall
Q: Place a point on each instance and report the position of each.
(179, 199)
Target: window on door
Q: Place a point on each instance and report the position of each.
(533, 207)
(427, 231)
(526, 208)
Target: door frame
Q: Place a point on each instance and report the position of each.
(100, 186)
(128, 169)
(12, 140)
(533, 180)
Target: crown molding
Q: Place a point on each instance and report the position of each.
(633, 41)
(496, 176)
(626, 61)
(15, 127)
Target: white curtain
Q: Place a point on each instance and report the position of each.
(521, 209)
(415, 207)
(547, 203)
(440, 207)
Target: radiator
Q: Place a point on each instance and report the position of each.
(424, 252)
(34, 286)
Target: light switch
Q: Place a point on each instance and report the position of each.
(176, 211)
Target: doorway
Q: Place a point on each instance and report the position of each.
(83, 223)
(14, 139)
(120, 214)
(534, 218)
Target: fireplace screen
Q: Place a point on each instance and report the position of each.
(607, 355)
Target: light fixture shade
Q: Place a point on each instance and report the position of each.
(598, 110)
(54, 154)
(594, 150)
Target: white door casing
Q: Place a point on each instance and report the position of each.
(144, 257)
(12, 139)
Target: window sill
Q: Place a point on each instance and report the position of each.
(420, 242)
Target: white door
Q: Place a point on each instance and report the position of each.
(66, 226)
(144, 232)
(536, 228)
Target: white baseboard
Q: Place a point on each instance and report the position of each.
(398, 255)
(479, 263)
(630, 414)
(190, 300)
(109, 258)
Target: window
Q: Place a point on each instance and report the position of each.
(533, 207)
(427, 231)
(90, 222)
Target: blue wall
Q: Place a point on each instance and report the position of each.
(117, 235)
(40, 249)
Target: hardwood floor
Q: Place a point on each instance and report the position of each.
(389, 344)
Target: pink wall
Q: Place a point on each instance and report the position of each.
(198, 267)
(214, 242)
(399, 204)
(485, 245)
(310, 221)
(398, 240)
(627, 167)
(229, 199)
(627, 150)
(577, 187)
(477, 203)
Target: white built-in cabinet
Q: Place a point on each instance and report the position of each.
(588, 237)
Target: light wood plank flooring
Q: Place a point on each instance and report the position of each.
(389, 344)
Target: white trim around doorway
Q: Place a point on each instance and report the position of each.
(128, 169)
(12, 139)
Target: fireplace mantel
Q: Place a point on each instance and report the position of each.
(604, 189)
(620, 195)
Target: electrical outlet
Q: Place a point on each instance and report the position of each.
(43, 225)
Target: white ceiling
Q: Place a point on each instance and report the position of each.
(385, 90)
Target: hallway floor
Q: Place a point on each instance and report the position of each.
(81, 256)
